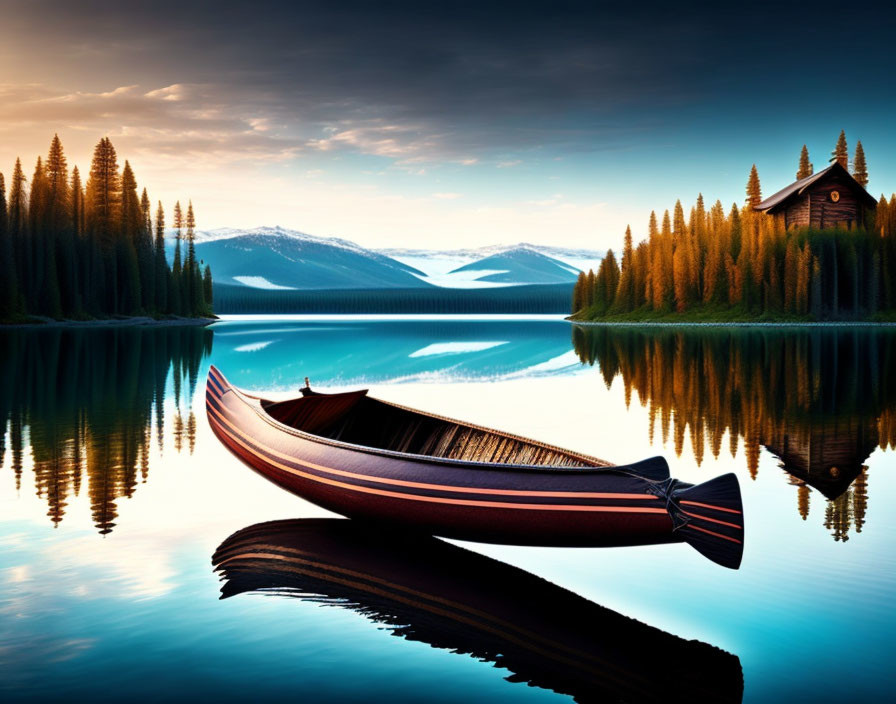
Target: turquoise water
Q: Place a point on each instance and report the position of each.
(114, 495)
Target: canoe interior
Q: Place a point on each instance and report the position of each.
(361, 420)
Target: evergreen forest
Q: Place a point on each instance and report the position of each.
(76, 250)
(742, 264)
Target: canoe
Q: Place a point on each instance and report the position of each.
(372, 460)
(426, 590)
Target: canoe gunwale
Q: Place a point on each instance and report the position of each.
(254, 403)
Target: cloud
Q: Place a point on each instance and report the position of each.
(178, 121)
(456, 85)
(174, 92)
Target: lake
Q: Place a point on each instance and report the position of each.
(115, 496)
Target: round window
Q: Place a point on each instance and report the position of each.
(835, 196)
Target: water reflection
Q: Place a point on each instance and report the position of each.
(84, 402)
(427, 590)
(821, 400)
(277, 354)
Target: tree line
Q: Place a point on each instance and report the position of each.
(744, 262)
(75, 250)
(534, 298)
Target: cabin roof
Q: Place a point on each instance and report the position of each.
(797, 188)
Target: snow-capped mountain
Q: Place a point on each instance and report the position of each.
(276, 258)
(280, 258)
(561, 253)
(438, 264)
(520, 266)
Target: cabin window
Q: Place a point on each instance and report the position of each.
(835, 196)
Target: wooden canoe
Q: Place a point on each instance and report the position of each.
(372, 460)
(427, 590)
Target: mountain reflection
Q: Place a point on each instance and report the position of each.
(821, 400)
(85, 400)
(427, 590)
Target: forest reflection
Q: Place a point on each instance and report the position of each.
(85, 402)
(820, 400)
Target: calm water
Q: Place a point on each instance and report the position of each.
(114, 497)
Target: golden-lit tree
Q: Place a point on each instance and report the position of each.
(841, 151)
(805, 168)
(754, 190)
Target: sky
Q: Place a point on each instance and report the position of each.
(448, 124)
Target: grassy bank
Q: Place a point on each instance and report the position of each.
(715, 315)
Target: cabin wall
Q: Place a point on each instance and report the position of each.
(816, 209)
(827, 213)
(797, 213)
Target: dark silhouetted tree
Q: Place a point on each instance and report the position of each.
(859, 167)
(162, 274)
(9, 293)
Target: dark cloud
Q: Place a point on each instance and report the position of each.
(455, 78)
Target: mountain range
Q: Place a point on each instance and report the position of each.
(520, 266)
(276, 258)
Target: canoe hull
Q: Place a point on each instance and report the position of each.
(535, 507)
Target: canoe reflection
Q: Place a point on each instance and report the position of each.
(430, 591)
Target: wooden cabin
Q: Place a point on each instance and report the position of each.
(828, 198)
(827, 455)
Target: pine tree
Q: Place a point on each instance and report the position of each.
(754, 191)
(841, 152)
(162, 274)
(625, 295)
(43, 290)
(146, 255)
(131, 226)
(102, 207)
(175, 296)
(18, 207)
(806, 169)
(652, 241)
(679, 228)
(606, 283)
(58, 216)
(131, 213)
(196, 304)
(578, 292)
(59, 226)
(104, 194)
(8, 288)
(17, 225)
(77, 194)
(208, 289)
(859, 167)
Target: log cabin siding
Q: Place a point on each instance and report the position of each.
(827, 213)
(797, 213)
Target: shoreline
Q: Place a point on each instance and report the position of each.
(732, 324)
(137, 321)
